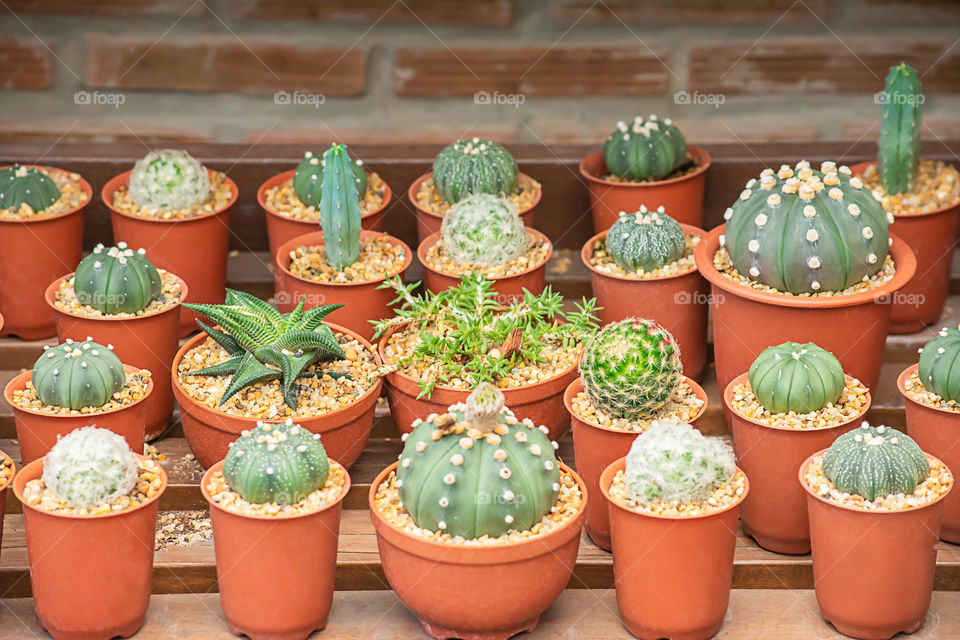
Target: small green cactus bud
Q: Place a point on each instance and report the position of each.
(90, 466)
(117, 280)
(796, 377)
(464, 169)
(308, 179)
(648, 149)
(25, 185)
(939, 370)
(168, 180)
(899, 144)
(874, 462)
(645, 240)
(483, 230)
(77, 375)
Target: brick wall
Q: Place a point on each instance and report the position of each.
(429, 70)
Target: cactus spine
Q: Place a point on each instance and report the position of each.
(117, 280)
(796, 377)
(874, 462)
(90, 466)
(464, 169)
(483, 230)
(169, 180)
(939, 370)
(340, 210)
(308, 179)
(77, 375)
(25, 185)
(648, 149)
(645, 240)
(899, 144)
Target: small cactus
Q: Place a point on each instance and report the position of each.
(939, 371)
(77, 375)
(899, 144)
(483, 230)
(340, 211)
(645, 240)
(90, 466)
(308, 179)
(477, 471)
(25, 185)
(874, 462)
(796, 377)
(671, 462)
(648, 149)
(168, 180)
(464, 169)
(117, 280)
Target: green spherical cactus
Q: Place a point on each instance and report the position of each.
(25, 185)
(874, 462)
(477, 471)
(803, 231)
(168, 180)
(276, 463)
(631, 368)
(796, 377)
(648, 149)
(939, 369)
(308, 178)
(672, 462)
(77, 375)
(483, 230)
(117, 280)
(899, 143)
(464, 169)
(90, 466)
(645, 240)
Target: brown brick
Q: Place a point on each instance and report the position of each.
(913, 11)
(696, 131)
(70, 131)
(531, 71)
(496, 13)
(24, 65)
(372, 136)
(617, 11)
(930, 129)
(109, 7)
(222, 64)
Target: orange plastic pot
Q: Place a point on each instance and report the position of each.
(90, 574)
(678, 303)
(428, 223)
(672, 575)
(273, 585)
(37, 431)
(362, 301)
(594, 448)
(508, 288)
(209, 432)
(746, 320)
(872, 570)
(775, 512)
(682, 197)
(516, 581)
(32, 255)
(3, 492)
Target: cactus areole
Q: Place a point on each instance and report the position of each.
(874, 462)
(645, 150)
(76, 375)
(645, 240)
(25, 185)
(466, 168)
(899, 143)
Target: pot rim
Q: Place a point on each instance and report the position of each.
(20, 380)
(740, 379)
(84, 186)
(904, 261)
(13, 472)
(700, 155)
(861, 168)
(586, 252)
(49, 295)
(283, 176)
(412, 194)
(901, 387)
(123, 179)
(287, 246)
(434, 237)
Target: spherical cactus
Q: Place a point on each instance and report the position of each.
(464, 169)
(645, 240)
(308, 178)
(90, 466)
(276, 463)
(874, 462)
(631, 368)
(648, 149)
(938, 371)
(483, 230)
(168, 180)
(25, 185)
(117, 280)
(796, 377)
(77, 375)
(477, 471)
(802, 231)
(672, 462)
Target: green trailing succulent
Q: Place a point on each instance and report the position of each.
(939, 368)
(478, 471)
(169, 180)
(21, 185)
(265, 344)
(308, 179)
(466, 168)
(483, 230)
(874, 462)
(645, 240)
(75, 375)
(117, 280)
(796, 377)
(645, 150)
(899, 144)
(90, 466)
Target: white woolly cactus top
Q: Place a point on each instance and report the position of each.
(90, 466)
(169, 180)
(672, 462)
(483, 230)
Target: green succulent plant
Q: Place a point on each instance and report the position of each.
(648, 149)
(939, 370)
(899, 144)
(117, 280)
(874, 462)
(308, 179)
(796, 377)
(90, 466)
(483, 230)
(77, 375)
(340, 214)
(645, 240)
(169, 180)
(466, 168)
(25, 185)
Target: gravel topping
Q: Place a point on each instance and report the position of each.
(379, 259)
(852, 401)
(724, 496)
(937, 186)
(220, 196)
(538, 249)
(522, 198)
(320, 499)
(6, 471)
(282, 199)
(71, 197)
(66, 300)
(602, 262)
(919, 393)
(37, 495)
(134, 389)
(182, 529)
(683, 406)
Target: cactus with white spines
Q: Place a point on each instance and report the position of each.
(90, 466)
(483, 230)
(466, 168)
(169, 180)
(645, 240)
(648, 149)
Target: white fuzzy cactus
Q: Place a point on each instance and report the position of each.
(483, 231)
(90, 466)
(168, 180)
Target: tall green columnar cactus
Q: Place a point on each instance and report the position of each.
(648, 149)
(645, 240)
(25, 185)
(340, 209)
(796, 377)
(874, 462)
(308, 179)
(939, 369)
(900, 129)
(77, 375)
(169, 180)
(631, 368)
(483, 230)
(90, 466)
(117, 280)
(803, 231)
(464, 169)
(478, 471)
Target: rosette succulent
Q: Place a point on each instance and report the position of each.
(645, 240)
(483, 230)
(899, 144)
(75, 375)
(169, 180)
(874, 462)
(21, 185)
(117, 280)
(796, 377)
(464, 169)
(90, 466)
(308, 178)
(939, 370)
(644, 150)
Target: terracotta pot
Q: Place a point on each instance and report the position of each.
(509, 288)
(281, 229)
(872, 570)
(682, 197)
(541, 402)
(746, 320)
(672, 575)
(147, 342)
(209, 432)
(428, 223)
(66, 552)
(38, 431)
(3, 492)
(33, 254)
(362, 301)
(678, 303)
(775, 513)
(516, 581)
(271, 584)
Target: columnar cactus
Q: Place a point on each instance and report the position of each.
(276, 463)
(483, 230)
(899, 142)
(340, 210)
(117, 280)
(645, 240)
(77, 375)
(671, 462)
(803, 231)
(631, 368)
(464, 169)
(308, 179)
(25, 185)
(939, 369)
(168, 180)
(874, 462)
(796, 377)
(477, 471)
(648, 149)
(90, 466)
